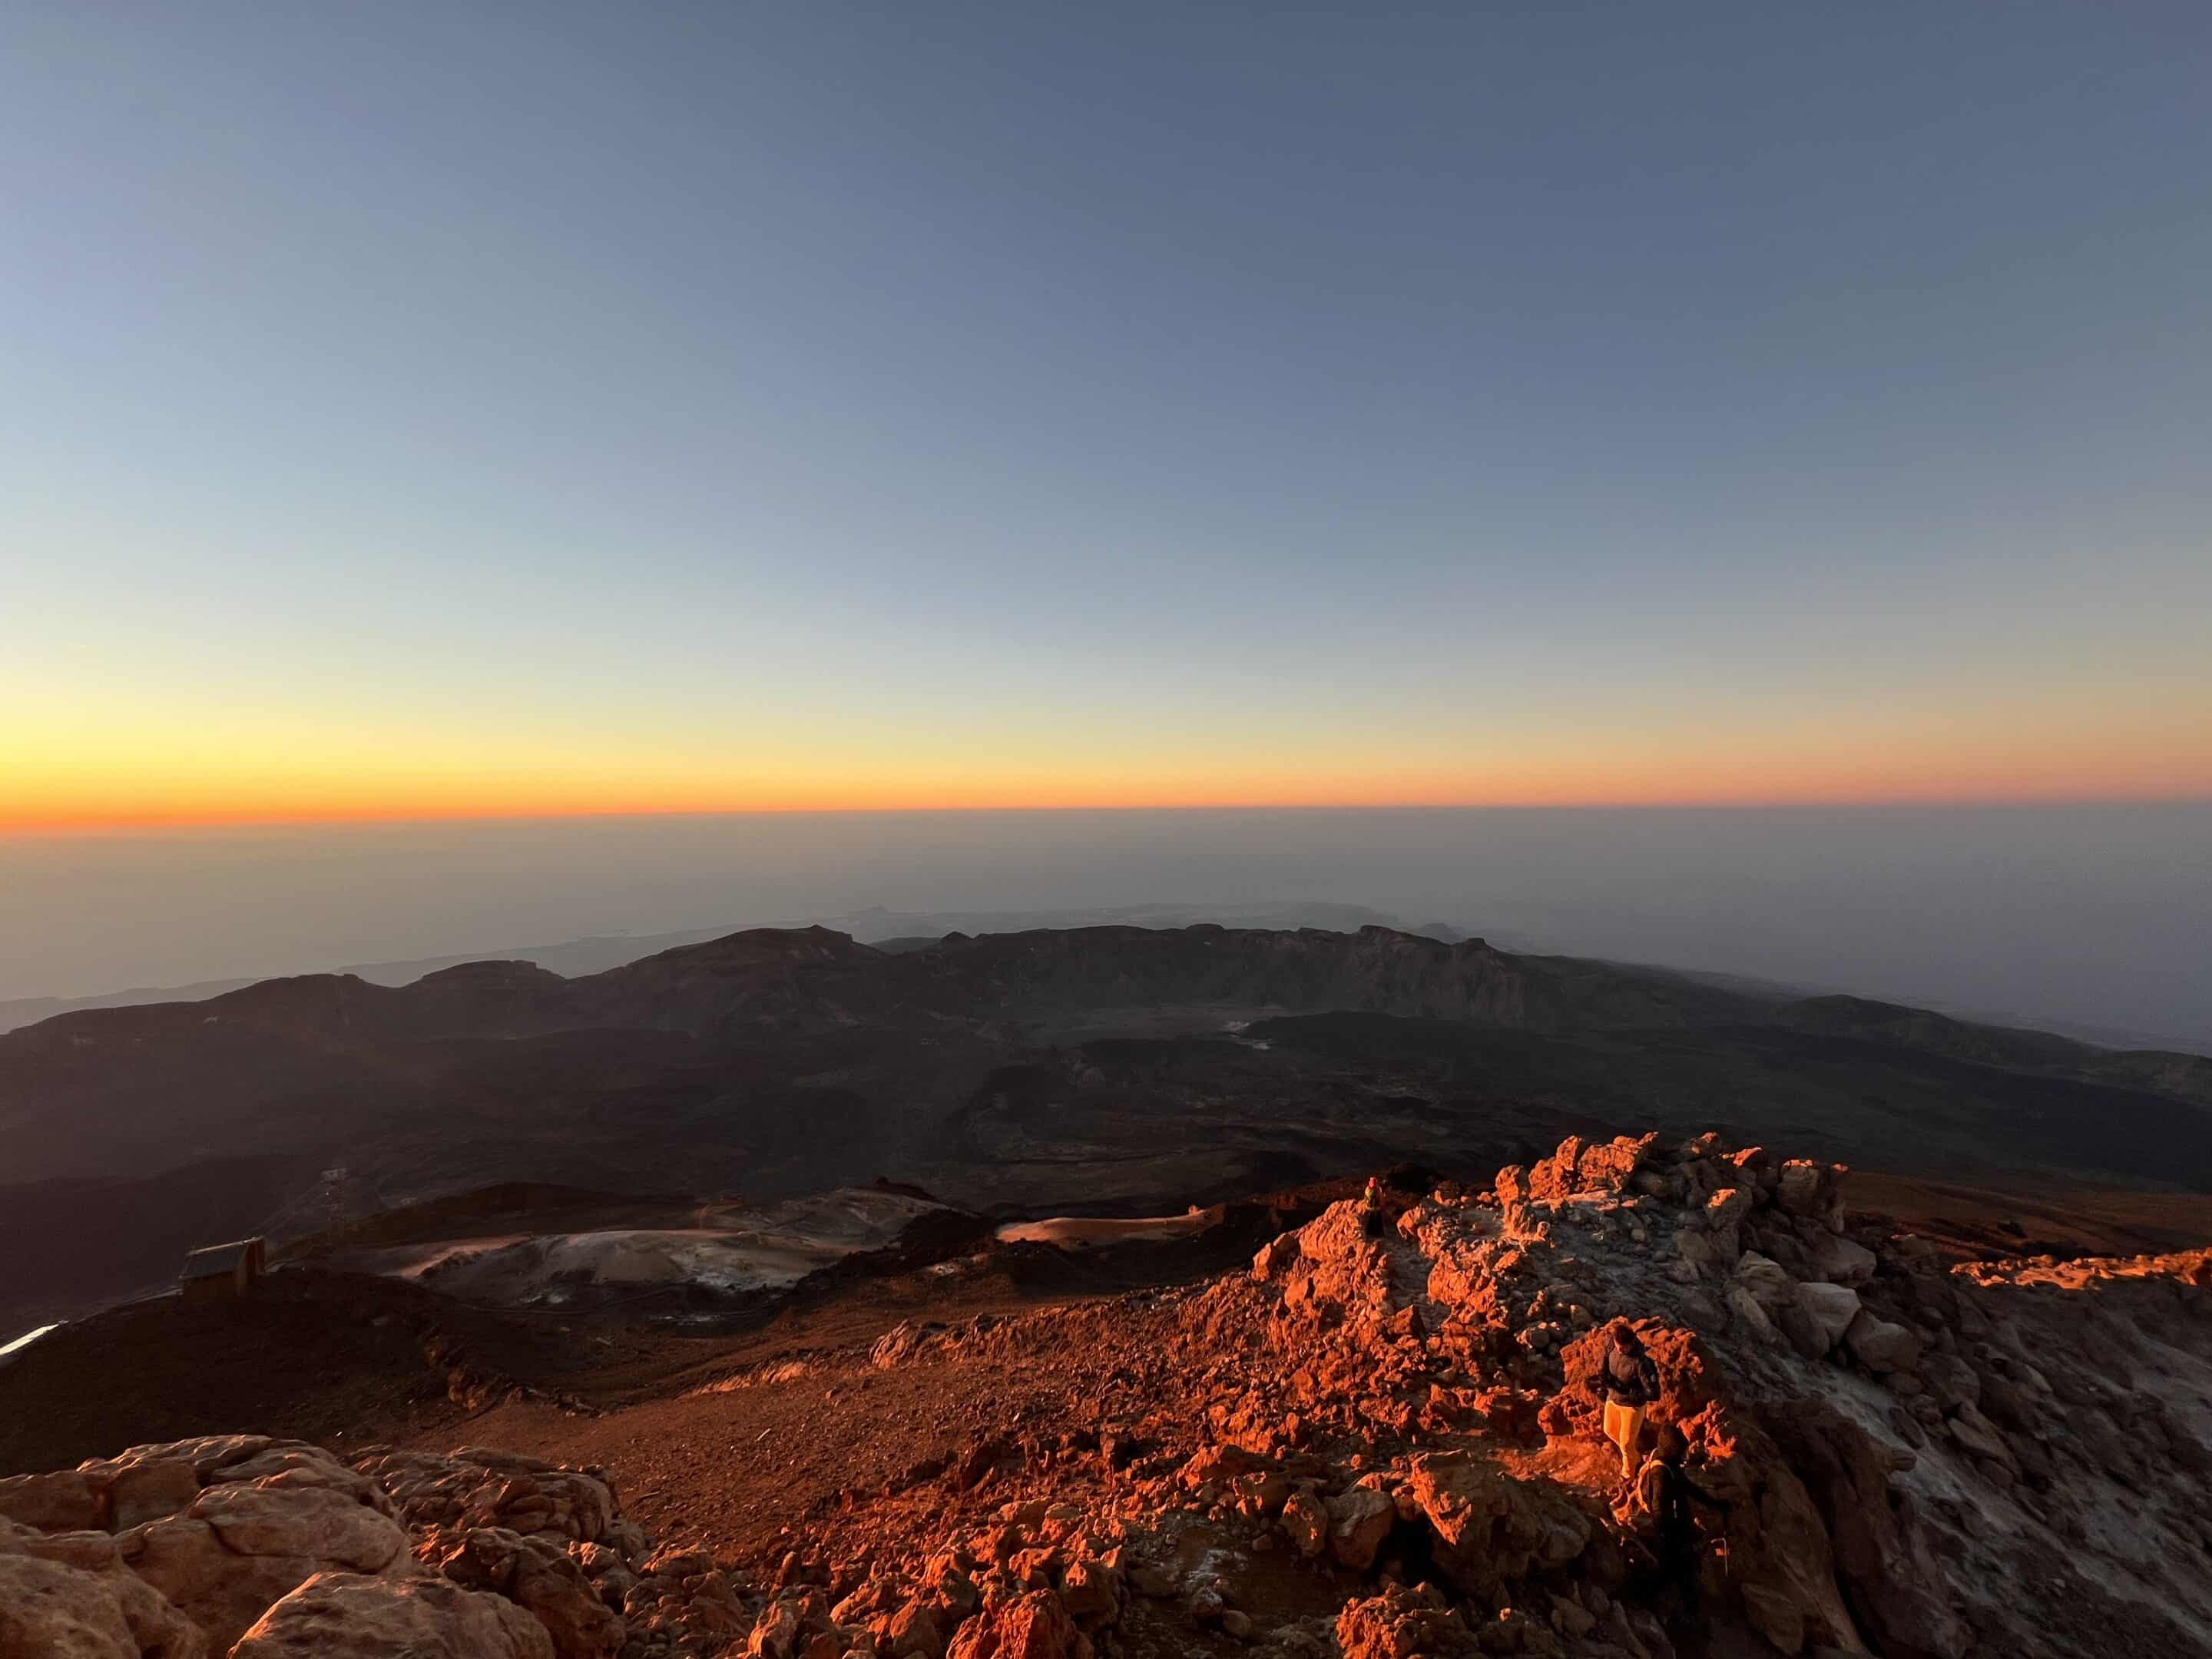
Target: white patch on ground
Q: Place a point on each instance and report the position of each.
(1089, 1232)
(734, 1250)
(13, 1348)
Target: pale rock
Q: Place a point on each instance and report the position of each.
(273, 1518)
(158, 1628)
(1829, 1309)
(48, 1611)
(1750, 1314)
(209, 1455)
(1701, 1309)
(1765, 1280)
(238, 1549)
(1840, 1262)
(1798, 1189)
(65, 1501)
(1879, 1346)
(1977, 1435)
(147, 1491)
(537, 1577)
(347, 1616)
(306, 1466)
(1696, 1248)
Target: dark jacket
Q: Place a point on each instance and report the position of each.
(1631, 1379)
(1677, 1491)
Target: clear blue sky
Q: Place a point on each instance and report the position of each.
(816, 404)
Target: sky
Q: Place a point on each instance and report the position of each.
(416, 411)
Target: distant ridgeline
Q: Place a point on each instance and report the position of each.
(1086, 1068)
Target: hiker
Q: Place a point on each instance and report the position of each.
(1370, 1208)
(1663, 1495)
(1631, 1383)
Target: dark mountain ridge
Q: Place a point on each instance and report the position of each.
(1093, 1068)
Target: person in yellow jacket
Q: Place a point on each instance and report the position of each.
(1632, 1383)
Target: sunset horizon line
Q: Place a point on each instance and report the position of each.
(30, 825)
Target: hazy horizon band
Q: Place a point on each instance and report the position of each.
(2096, 914)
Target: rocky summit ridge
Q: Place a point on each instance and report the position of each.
(1382, 1439)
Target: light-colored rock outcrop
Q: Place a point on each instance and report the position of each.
(276, 1547)
(347, 1616)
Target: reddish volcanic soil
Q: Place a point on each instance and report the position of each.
(733, 1471)
(1382, 1429)
(2029, 1220)
(345, 1360)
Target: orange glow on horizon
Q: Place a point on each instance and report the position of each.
(106, 776)
(68, 817)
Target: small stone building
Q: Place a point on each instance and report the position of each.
(221, 1272)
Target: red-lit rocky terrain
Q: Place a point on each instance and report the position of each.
(1373, 1437)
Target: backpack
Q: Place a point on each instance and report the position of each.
(1648, 1490)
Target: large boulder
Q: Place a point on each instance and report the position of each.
(1579, 1166)
(1489, 1528)
(156, 1627)
(1891, 1575)
(64, 1501)
(536, 1575)
(1305, 1523)
(1764, 1280)
(150, 1490)
(349, 1616)
(1726, 1208)
(238, 1549)
(1879, 1346)
(1780, 1557)
(1033, 1625)
(212, 1537)
(48, 1611)
(1840, 1262)
(1829, 1310)
(1797, 1187)
(1751, 1321)
(209, 1455)
(1358, 1521)
(480, 1487)
(909, 1634)
(1979, 1436)
(1398, 1623)
(1339, 1271)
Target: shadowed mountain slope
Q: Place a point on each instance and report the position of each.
(1092, 1069)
